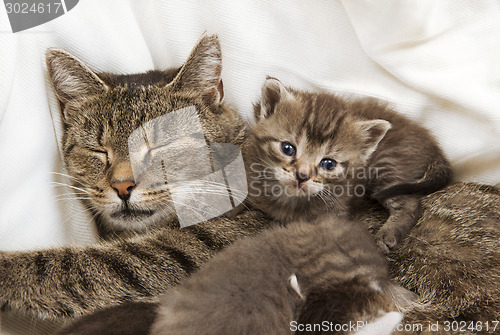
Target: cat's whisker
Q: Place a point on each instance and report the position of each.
(70, 186)
(222, 193)
(215, 189)
(69, 199)
(67, 176)
(196, 210)
(205, 204)
(72, 192)
(68, 196)
(72, 198)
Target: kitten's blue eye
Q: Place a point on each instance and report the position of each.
(288, 149)
(328, 164)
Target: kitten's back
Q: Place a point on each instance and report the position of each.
(246, 288)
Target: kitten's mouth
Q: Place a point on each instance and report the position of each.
(297, 189)
(131, 214)
(300, 190)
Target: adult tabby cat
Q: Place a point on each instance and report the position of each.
(262, 284)
(450, 258)
(312, 153)
(100, 112)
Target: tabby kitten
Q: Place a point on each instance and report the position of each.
(450, 258)
(311, 153)
(100, 112)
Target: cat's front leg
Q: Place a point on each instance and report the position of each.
(73, 281)
(404, 212)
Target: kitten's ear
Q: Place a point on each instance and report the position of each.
(273, 92)
(384, 325)
(71, 77)
(202, 70)
(373, 132)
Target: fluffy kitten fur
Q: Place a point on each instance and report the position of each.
(249, 288)
(450, 258)
(99, 113)
(260, 285)
(338, 150)
(135, 318)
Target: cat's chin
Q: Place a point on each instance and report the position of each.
(135, 220)
(129, 214)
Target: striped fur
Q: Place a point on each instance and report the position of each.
(72, 281)
(328, 270)
(376, 151)
(99, 114)
(451, 258)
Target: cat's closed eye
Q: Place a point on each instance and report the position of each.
(103, 155)
(88, 163)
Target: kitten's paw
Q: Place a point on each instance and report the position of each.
(386, 240)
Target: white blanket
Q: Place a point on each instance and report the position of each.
(437, 61)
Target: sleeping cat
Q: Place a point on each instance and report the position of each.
(262, 284)
(312, 153)
(100, 112)
(451, 258)
(130, 141)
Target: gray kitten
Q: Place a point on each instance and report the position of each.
(451, 258)
(311, 153)
(276, 283)
(259, 285)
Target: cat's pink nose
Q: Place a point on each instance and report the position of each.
(123, 188)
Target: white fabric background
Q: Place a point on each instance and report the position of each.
(437, 61)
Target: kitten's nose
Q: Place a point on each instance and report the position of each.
(302, 177)
(123, 188)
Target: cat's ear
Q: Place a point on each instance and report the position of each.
(202, 70)
(384, 325)
(273, 92)
(372, 132)
(71, 77)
